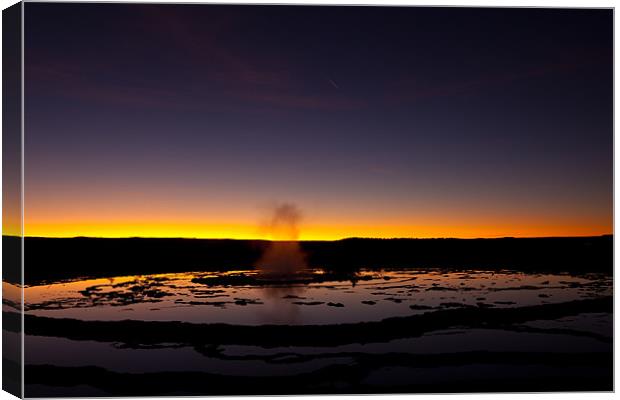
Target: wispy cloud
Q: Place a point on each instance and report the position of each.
(411, 88)
(205, 67)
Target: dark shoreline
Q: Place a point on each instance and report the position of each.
(50, 259)
(501, 369)
(134, 333)
(337, 377)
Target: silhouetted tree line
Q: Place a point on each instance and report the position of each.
(63, 258)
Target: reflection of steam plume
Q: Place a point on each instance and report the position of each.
(284, 256)
(278, 309)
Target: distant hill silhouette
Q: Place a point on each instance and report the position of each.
(65, 258)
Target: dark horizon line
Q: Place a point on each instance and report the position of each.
(313, 240)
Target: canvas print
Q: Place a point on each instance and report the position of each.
(285, 199)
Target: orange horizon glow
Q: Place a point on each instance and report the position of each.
(417, 142)
(183, 214)
(309, 232)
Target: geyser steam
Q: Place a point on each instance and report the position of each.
(284, 256)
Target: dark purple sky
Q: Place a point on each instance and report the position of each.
(185, 120)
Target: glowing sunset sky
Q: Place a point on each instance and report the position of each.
(191, 121)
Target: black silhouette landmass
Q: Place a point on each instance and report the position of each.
(208, 340)
(135, 333)
(335, 378)
(50, 259)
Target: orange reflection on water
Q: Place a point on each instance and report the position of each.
(313, 297)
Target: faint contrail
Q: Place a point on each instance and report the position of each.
(334, 84)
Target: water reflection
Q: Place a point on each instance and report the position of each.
(318, 331)
(310, 297)
(11, 297)
(280, 308)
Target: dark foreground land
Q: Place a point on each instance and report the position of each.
(554, 335)
(49, 259)
(342, 355)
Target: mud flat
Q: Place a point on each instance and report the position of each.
(137, 333)
(456, 350)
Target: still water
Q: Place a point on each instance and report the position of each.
(363, 296)
(544, 351)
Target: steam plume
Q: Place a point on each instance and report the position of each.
(284, 256)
